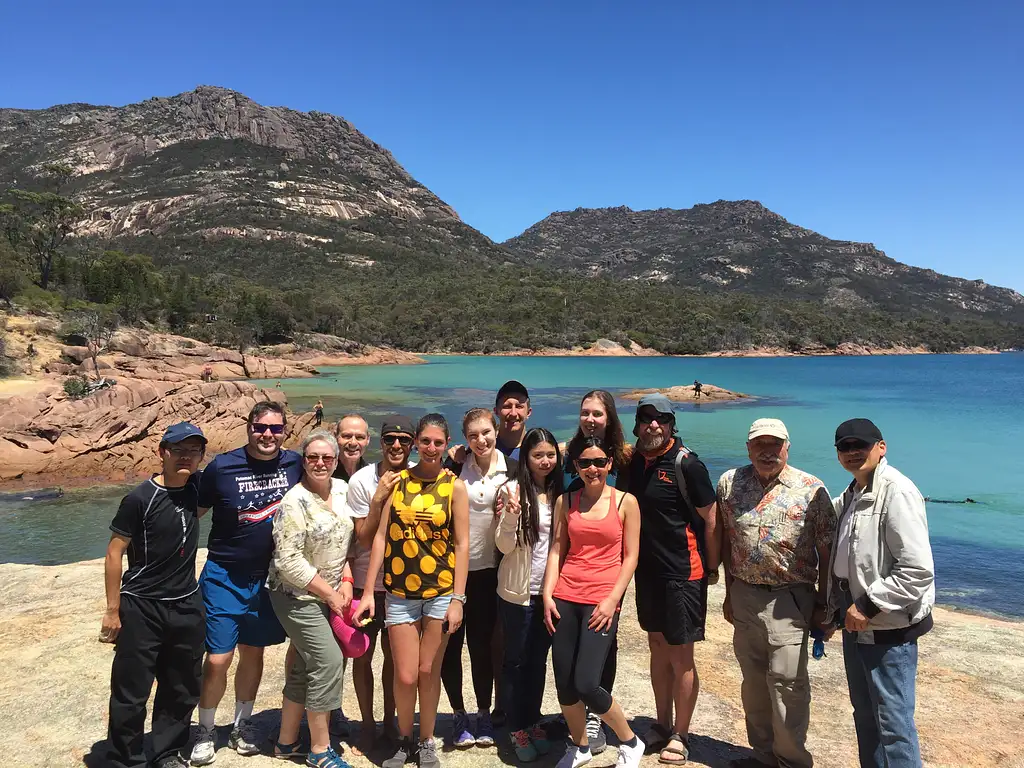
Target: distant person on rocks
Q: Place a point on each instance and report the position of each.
(155, 611)
(697, 388)
(422, 543)
(310, 579)
(369, 495)
(523, 537)
(244, 488)
(484, 472)
(778, 525)
(207, 372)
(679, 548)
(353, 434)
(881, 594)
(591, 561)
(318, 412)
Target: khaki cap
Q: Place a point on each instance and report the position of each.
(773, 427)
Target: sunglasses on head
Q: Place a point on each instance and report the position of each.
(403, 440)
(853, 445)
(275, 429)
(601, 462)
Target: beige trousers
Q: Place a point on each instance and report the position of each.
(770, 629)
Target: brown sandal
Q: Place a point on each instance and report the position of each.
(683, 753)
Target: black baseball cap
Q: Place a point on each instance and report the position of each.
(858, 429)
(181, 431)
(511, 387)
(397, 425)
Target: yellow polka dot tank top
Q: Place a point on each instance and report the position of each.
(419, 558)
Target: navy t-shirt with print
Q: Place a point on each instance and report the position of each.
(244, 493)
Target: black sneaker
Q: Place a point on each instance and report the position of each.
(405, 751)
(174, 761)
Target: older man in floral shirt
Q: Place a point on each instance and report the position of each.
(778, 524)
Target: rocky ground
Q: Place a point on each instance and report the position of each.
(687, 394)
(55, 677)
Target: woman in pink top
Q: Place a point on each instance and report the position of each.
(591, 561)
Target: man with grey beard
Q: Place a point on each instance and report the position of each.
(778, 525)
(679, 545)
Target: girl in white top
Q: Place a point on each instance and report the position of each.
(485, 470)
(523, 535)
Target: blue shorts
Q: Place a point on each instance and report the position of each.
(238, 610)
(402, 610)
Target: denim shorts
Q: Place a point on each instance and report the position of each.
(402, 610)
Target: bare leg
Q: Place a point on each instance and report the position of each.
(661, 678)
(616, 720)
(576, 720)
(432, 645)
(362, 681)
(319, 731)
(215, 678)
(291, 718)
(687, 686)
(249, 672)
(405, 645)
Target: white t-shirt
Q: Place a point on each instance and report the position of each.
(539, 560)
(483, 490)
(361, 487)
(841, 558)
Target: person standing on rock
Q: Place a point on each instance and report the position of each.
(679, 547)
(881, 594)
(318, 413)
(244, 487)
(155, 611)
(369, 493)
(697, 387)
(778, 525)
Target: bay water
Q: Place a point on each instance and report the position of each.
(953, 423)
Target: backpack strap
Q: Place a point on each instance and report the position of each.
(680, 477)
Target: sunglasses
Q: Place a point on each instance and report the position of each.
(647, 418)
(403, 440)
(186, 453)
(600, 462)
(316, 458)
(275, 429)
(846, 446)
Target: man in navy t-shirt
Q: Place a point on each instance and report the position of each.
(244, 488)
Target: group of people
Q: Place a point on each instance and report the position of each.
(517, 548)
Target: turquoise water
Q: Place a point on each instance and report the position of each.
(954, 424)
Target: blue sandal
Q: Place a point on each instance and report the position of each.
(328, 759)
(289, 751)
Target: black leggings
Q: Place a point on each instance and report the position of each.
(479, 623)
(578, 654)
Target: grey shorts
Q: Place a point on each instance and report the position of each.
(315, 679)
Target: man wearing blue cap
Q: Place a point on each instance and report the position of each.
(154, 610)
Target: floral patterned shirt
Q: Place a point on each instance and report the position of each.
(774, 531)
(310, 538)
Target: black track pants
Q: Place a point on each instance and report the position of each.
(479, 623)
(578, 654)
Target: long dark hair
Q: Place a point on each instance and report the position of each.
(614, 442)
(529, 504)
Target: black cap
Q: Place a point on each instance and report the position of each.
(182, 431)
(512, 387)
(397, 424)
(858, 429)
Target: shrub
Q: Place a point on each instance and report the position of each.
(76, 387)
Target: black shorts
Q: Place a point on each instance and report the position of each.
(373, 628)
(675, 608)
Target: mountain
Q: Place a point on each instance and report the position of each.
(178, 177)
(742, 246)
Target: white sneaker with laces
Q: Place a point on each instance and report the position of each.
(245, 738)
(629, 757)
(574, 758)
(204, 750)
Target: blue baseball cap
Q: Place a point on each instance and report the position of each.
(182, 431)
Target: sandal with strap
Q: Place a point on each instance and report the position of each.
(683, 754)
(289, 751)
(328, 759)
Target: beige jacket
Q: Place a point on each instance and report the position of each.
(514, 569)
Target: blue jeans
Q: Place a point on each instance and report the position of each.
(524, 668)
(881, 679)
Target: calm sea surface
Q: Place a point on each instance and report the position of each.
(953, 424)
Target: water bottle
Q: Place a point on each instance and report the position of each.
(818, 651)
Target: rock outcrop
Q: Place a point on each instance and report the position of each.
(687, 394)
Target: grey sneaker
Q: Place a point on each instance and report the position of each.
(245, 739)
(204, 751)
(428, 754)
(595, 734)
(401, 757)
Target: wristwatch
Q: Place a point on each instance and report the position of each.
(460, 598)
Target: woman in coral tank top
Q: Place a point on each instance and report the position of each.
(590, 563)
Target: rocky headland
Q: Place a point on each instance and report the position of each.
(687, 394)
(55, 686)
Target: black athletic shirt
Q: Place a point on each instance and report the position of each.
(671, 530)
(163, 526)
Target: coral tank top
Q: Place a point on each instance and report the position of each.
(595, 555)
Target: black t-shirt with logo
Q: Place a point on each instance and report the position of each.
(163, 526)
(671, 530)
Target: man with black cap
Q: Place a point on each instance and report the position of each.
(881, 594)
(778, 525)
(512, 407)
(155, 612)
(679, 546)
(369, 494)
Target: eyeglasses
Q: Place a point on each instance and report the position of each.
(403, 440)
(647, 418)
(185, 453)
(259, 429)
(316, 458)
(600, 462)
(846, 446)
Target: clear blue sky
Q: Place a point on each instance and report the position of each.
(899, 123)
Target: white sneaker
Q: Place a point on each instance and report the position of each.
(574, 758)
(204, 751)
(629, 757)
(245, 739)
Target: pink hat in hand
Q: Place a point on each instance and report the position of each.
(353, 641)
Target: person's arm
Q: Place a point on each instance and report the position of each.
(704, 499)
(821, 516)
(723, 513)
(207, 488)
(110, 626)
(366, 603)
(290, 558)
(602, 616)
(366, 527)
(557, 551)
(460, 530)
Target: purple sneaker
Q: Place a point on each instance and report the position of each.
(461, 735)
